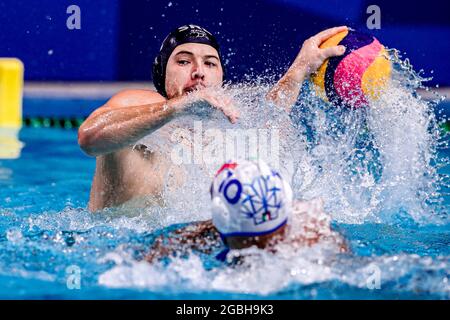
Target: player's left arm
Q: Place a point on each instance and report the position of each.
(285, 92)
(200, 236)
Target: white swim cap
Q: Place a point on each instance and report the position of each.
(249, 199)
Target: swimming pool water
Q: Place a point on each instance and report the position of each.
(45, 229)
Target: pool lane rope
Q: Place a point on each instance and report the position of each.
(75, 122)
(53, 122)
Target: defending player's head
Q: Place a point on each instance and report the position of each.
(251, 203)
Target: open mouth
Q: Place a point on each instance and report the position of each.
(193, 88)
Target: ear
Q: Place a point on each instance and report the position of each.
(158, 76)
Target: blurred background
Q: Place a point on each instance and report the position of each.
(119, 39)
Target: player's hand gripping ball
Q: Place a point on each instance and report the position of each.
(361, 74)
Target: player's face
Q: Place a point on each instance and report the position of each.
(192, 66)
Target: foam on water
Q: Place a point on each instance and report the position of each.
(369, 164)
(376, 165)
(264, 273)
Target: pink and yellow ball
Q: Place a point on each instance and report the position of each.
(358, 76)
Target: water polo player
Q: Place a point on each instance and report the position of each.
(186, 70)
(252, 205)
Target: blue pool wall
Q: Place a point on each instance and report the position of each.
(118, 39)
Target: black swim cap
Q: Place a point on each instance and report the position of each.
(185, 34)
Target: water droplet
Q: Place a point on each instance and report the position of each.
(14, 235)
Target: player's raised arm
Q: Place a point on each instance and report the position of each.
(285, 92)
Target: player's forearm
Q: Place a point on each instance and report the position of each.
(114, 129)
(285, 92)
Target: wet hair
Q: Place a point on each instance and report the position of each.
(184, 34)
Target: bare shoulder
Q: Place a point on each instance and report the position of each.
(134, 97)
(199, 236)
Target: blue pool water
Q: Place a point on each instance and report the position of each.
(383, 173)
(45, 229)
